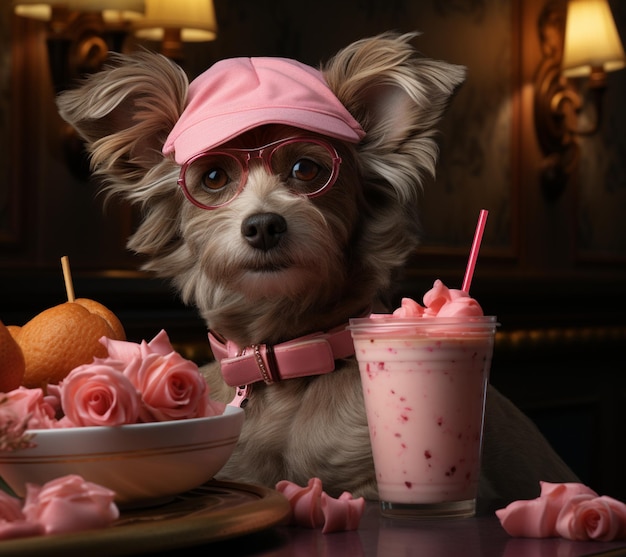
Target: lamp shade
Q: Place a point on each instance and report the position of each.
(194, 18)
(34, 9)
(42, 9)
(591, 39)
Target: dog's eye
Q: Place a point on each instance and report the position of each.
(214, 179)
(305, 170)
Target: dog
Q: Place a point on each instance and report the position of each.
(281, 201)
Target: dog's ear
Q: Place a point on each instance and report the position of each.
(125, 113)
(398, 97)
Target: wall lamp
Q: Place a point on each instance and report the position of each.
(81, 33)
(579, 44)
(173, 23)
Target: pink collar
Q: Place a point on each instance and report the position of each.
(313, 354)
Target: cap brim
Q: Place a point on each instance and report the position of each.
(216, 130)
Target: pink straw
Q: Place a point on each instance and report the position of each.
(473, 256)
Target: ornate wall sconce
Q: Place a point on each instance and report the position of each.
(579, 41)
(81, 33)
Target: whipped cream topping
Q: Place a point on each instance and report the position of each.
(439, 301)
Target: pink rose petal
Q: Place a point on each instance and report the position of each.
(306, 506)
(313, 508)
(20, 529)
(125, 351)
(10, 508)
(528, 519)
(13, 523)
(561, 492)
(342, 514)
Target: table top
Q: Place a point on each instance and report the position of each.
(480, 536)
(222, 518)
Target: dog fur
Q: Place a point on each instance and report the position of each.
(339, 255)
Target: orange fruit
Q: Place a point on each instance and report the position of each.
(12, 364)
(63, 337)
(14, 330)
(106, 314)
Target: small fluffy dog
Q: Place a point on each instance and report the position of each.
(280, 200)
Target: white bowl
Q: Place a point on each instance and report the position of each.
(139, 462)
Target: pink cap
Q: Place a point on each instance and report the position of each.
(239, 94)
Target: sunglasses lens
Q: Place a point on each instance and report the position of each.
(213, 179)
(305, 167)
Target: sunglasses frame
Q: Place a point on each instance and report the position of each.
(264, 153)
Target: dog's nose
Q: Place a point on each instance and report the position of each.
(263, 230)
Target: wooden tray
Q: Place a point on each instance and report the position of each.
(212, 512)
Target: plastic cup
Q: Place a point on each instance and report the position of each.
(424, 383)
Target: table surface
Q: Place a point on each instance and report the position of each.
(480, 536)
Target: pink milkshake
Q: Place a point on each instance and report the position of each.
(424, 374)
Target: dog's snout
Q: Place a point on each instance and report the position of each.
(263, 230)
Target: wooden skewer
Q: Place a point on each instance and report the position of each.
(67, 276)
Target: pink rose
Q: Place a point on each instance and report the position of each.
(31, 404)
(570, 510)
(537, 518)
(69, 504)
(13, 428)
(311, 507)
(585, 517)
(99, 395)
(172, 388)
(13, 523)
(136, 382)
